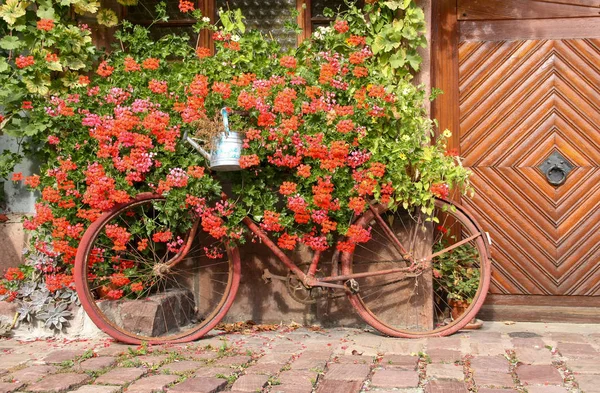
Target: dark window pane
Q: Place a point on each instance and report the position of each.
(145, 11)
(267, 16)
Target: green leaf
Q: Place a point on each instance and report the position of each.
(54, 66)
(46, 11)
(10, 42)
(13, 10)
(3, 65)
(378, 44)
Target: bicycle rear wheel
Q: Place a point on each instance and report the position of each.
(138, 283)
(417, 303)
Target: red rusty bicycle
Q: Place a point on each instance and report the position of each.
(400, 282)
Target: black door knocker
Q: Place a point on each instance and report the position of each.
(556, 168)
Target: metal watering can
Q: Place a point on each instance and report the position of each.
(227, 150)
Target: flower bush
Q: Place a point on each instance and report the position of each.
(328, 128)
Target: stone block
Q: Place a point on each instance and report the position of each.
(534, 356)
(58, 383)
(577, 350)
(353, 359)
(546, 389)
(445, 387)
(490, 363)
(250, 383)
(120, 376)
(584, 366)
(199, 385)
(32, 373)
(97, 389)
(493, 379)
(97, 364)
(395, 378)
(532, 342)
(339, 387)
(540, 375)
(301, 379)
(445, 371)
(151, 360)
(438, 355)
(347, 372)
(147, 316)
(151, 384)
(63, 355)
(206, 372)
(404, 362)
(453, 343)
(8, 387)
(589, 383)
(264, 369)
(15, 359)
(232, 361)
(181, 367)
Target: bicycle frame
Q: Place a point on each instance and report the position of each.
(308, 278)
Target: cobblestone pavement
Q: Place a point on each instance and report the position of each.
(500, 358)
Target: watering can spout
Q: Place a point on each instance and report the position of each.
(196, 146)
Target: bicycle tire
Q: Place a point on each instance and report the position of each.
(180, 303)
(392, 311)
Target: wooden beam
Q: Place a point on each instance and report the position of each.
(444, 51)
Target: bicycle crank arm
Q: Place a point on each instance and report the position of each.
(267, 276)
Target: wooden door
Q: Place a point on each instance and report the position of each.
(525, 80)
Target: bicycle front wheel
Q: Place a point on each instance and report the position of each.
(419, 299)
(138, 283)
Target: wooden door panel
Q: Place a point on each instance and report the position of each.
(520, 102)
(525, 9)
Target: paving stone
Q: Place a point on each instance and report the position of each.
(279, 358)
(63, 355)
(114, 349)
(577, 350)
(310, 359)
(120, 376)
(490, 363)
(152, 384)
(443, 343)
(584, 366)
(301, 379)
(291, 389)
(353, 359)
(546, 389)
(151, 360)
(347, 372)
(444, 355)
(492, 390)
(97, 364)
(199, 385)
(202, 356)
(232, 361)
(339, 387)
(493, 379)
(181, 367)
(58, 382)
(15, 359)
(445, 371)
(533, 342)
(402, 347)
(446, 387)
(394, 378)
(404, 362)
(250, 383)
(568, 337)
(97, 389)
(32, 373)
(8, 387)
(542, 374)
(266, 369)
(487, 349)
(204, 372)
(534, 356)
(589, 383)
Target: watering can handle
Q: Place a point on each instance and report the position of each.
(225, 120)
